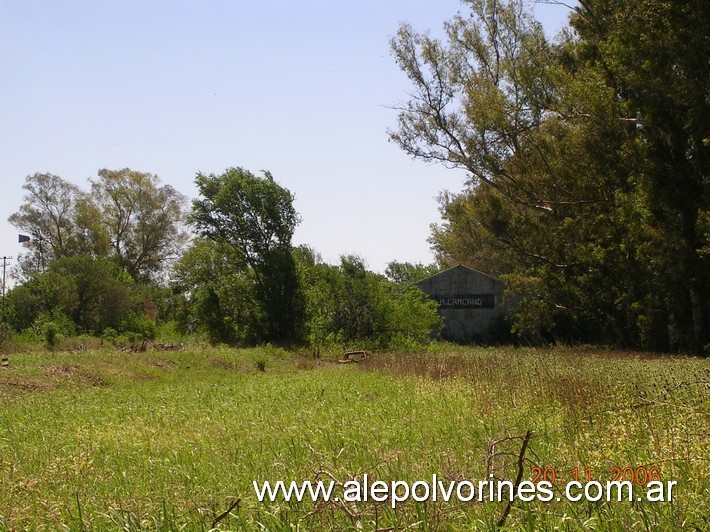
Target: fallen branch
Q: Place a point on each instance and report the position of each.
(519, 478)
(361, 355)
(224, 514)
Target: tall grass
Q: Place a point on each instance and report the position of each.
(170, 440)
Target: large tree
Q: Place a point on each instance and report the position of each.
(255, 217)
(128, 217)
(568, 150)
(50, 215)
(218, 291)
(655, 55)
(143, 220)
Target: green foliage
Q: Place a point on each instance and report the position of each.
(586, 161)
(5, 335)
(349, 306)
(142, 219)
(53, 327)
(406, 272)
(164, 298)
(50, 216)
(128, 217)
(253, 217)
(109, 335)
(218, 294)
(169, 332)
(90, 294)
(140, 325)
(411, 314)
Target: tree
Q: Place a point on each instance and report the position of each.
(654, 54)
(128, 217)
(584, 159)
(406, 272)
(92, 294)
(219, 293)
(142, 219)
(255, 217)
(346, 304)
(49, 215)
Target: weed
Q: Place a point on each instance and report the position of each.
(106, 439)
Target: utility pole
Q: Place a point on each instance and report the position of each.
(4, 267)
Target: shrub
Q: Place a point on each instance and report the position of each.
(140, 325)
(109, 335)
(52, 328)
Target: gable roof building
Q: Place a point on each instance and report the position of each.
(470, 302)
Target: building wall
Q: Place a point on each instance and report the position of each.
(469, 301)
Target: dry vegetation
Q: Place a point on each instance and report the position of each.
(172, 440)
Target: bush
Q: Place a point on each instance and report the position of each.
(140, 325)
(52, 328)
(109, 335)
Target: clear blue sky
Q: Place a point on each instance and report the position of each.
(301, 89)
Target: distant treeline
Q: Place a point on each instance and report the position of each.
(94, 260)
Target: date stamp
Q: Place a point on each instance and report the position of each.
(637, 475)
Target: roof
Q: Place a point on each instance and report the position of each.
(460, 267)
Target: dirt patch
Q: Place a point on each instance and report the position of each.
(25, 385)
(69, 371)
(63, 370)
(91, 378)
(222, 364)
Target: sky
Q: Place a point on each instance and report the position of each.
(305, 90)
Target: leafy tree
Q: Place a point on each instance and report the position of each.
(128, 217)
(92, 294)
(358, 301)
(406, 272)
(347, 305)
(570, 189)
(654, 54)
(51, 216)
(219, 294)
(254, 216)
(141, 218)
(321, 285)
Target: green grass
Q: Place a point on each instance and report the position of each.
(168, 440)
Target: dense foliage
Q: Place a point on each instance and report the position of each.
(128, 217)
(254, 219)
(587, 162)
(349, 305)
(81, 295)
(239, 282)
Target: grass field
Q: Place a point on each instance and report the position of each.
(107, 439)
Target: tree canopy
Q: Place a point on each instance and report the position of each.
(586, 162)
(128, 217)
(254, 216)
